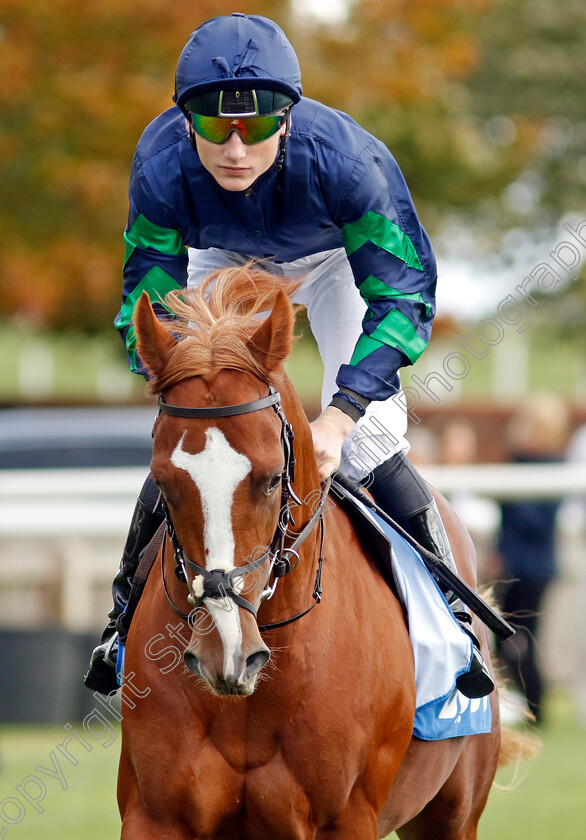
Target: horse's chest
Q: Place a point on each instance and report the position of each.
(269, 801)
(272, 787)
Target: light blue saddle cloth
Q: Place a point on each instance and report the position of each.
(441, 649)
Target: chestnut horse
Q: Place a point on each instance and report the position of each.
(297, 724)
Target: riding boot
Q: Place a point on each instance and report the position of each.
(402, 493)
(427, 528)
(101, 674)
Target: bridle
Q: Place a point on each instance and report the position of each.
(219, 584)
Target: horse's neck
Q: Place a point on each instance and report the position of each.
(306, 474)
(295, 590)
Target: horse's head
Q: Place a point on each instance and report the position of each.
(221, 473)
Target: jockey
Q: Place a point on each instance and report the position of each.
(245, 167)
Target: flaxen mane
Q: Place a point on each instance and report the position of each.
(215, 321)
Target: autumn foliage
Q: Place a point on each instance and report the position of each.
(80, 80)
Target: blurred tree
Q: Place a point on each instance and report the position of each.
(79, 81)
(482, 103)
(479, 100)
(401, 69)
(528, 95)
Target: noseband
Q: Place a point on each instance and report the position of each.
(218, 584)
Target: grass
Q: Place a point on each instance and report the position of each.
(549, 800)
(80, 804)
(49, 367)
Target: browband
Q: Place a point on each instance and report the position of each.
(221, 410)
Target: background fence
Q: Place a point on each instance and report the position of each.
(62, 533)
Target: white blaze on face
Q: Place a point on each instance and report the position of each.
(217, 470)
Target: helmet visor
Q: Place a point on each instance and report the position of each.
(251, 129)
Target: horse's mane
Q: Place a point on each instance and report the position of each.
(214, 322)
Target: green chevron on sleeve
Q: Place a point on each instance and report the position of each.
(157, 283)
(145, 234)
(373, 227)
(396, 330)
(372, 288)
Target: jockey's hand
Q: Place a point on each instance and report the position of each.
(329, 431)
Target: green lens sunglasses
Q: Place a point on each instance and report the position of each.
(251, 129)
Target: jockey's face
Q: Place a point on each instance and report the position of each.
(234, 164)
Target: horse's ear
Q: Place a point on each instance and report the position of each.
(153, 341)
(271, 343)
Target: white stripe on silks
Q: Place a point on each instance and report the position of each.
(216, 471)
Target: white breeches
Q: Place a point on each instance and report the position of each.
(335, 311)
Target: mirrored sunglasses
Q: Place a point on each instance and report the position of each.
(251, 129)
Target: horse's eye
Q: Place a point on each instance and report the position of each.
(273, 484)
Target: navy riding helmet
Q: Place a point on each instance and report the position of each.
(229, 55)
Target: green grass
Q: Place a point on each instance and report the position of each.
(41, 366)
(548, 802)
(81, 805)
(305, 369)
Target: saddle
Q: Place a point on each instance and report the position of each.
(370, 534)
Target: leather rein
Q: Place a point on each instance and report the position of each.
(218, 584)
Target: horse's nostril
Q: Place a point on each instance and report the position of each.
(192, 663)
(255, 663)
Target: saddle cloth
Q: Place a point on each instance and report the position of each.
(441, 649)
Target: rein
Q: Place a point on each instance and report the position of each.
(317, 590)
(218, 584)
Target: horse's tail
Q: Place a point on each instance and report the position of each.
(516, 748)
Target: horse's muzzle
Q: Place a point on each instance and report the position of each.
(241, 682)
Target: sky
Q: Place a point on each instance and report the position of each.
(474, 289)
(325, 11)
